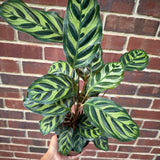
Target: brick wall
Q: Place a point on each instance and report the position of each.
(128, 24)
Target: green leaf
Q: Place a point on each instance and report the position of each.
(63, 67)
(49, 123)
(82, 32)
(101, 143)
(97, 62)
(111, 118)
(65, 141)
(134, 60)
(108, 77)
(86, 129)
(51, 88)
(78, 141)
(45, 26)
(59, 108)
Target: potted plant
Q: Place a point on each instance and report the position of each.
(76, 114)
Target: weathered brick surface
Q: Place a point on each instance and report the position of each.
(128, 24)
(151, 46)
(149, 8)
(131, 25)
(20, 51)
(6, 32)
(123, 6)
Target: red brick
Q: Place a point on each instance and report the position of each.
(35, 68)
(14, 104)
(54, 54)
(149, 8)
(156, 104)
(115, 141)
(157, 157)
(11, 114)
(123, 89)
(4, 140)
(131, 25)
(123, 6)
(11, 132)
(112, 42)
(149, 91)
(112, 155)
(17, 80)
(28, 155)
(134, 149)
(6, 32)
(33, 116)
(9, 92)
(38, 135)
(146, 114)
(89, 153)
(132, 102)
(154, 63)
(151, 125)
(27, 38)
(3, 123)
(151, 46)
(38, 149)
(1, 103)
(20, 51)
(23, 125)
(111, 57)
(6, 154)
(156, 150)
(139, 156)
(48, 2)
(142, 77)
(25, 141)
(149, 142)
(9, 66)
(13, 147)
(148, 133)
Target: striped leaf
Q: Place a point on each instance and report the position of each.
(50, 89)
(97, 62)
(59, 108)
(86, 129)
(101, 143)
(111, 118)
(65, 141)
(108, 77)
(64, 68)
(82, 32)
(78, 141)
(134, 60)
(49, 123)
(45, 26)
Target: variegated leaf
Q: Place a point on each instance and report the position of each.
(45, 26)
(97, 62)
(108, 77)
(65, 141)
(111, 118)
(82, 32)
(86, 129)
(134, 60)
(58, 108)
(101, 143)
(51, 88)
(49, 123)
(64, 68)
(78, 141)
